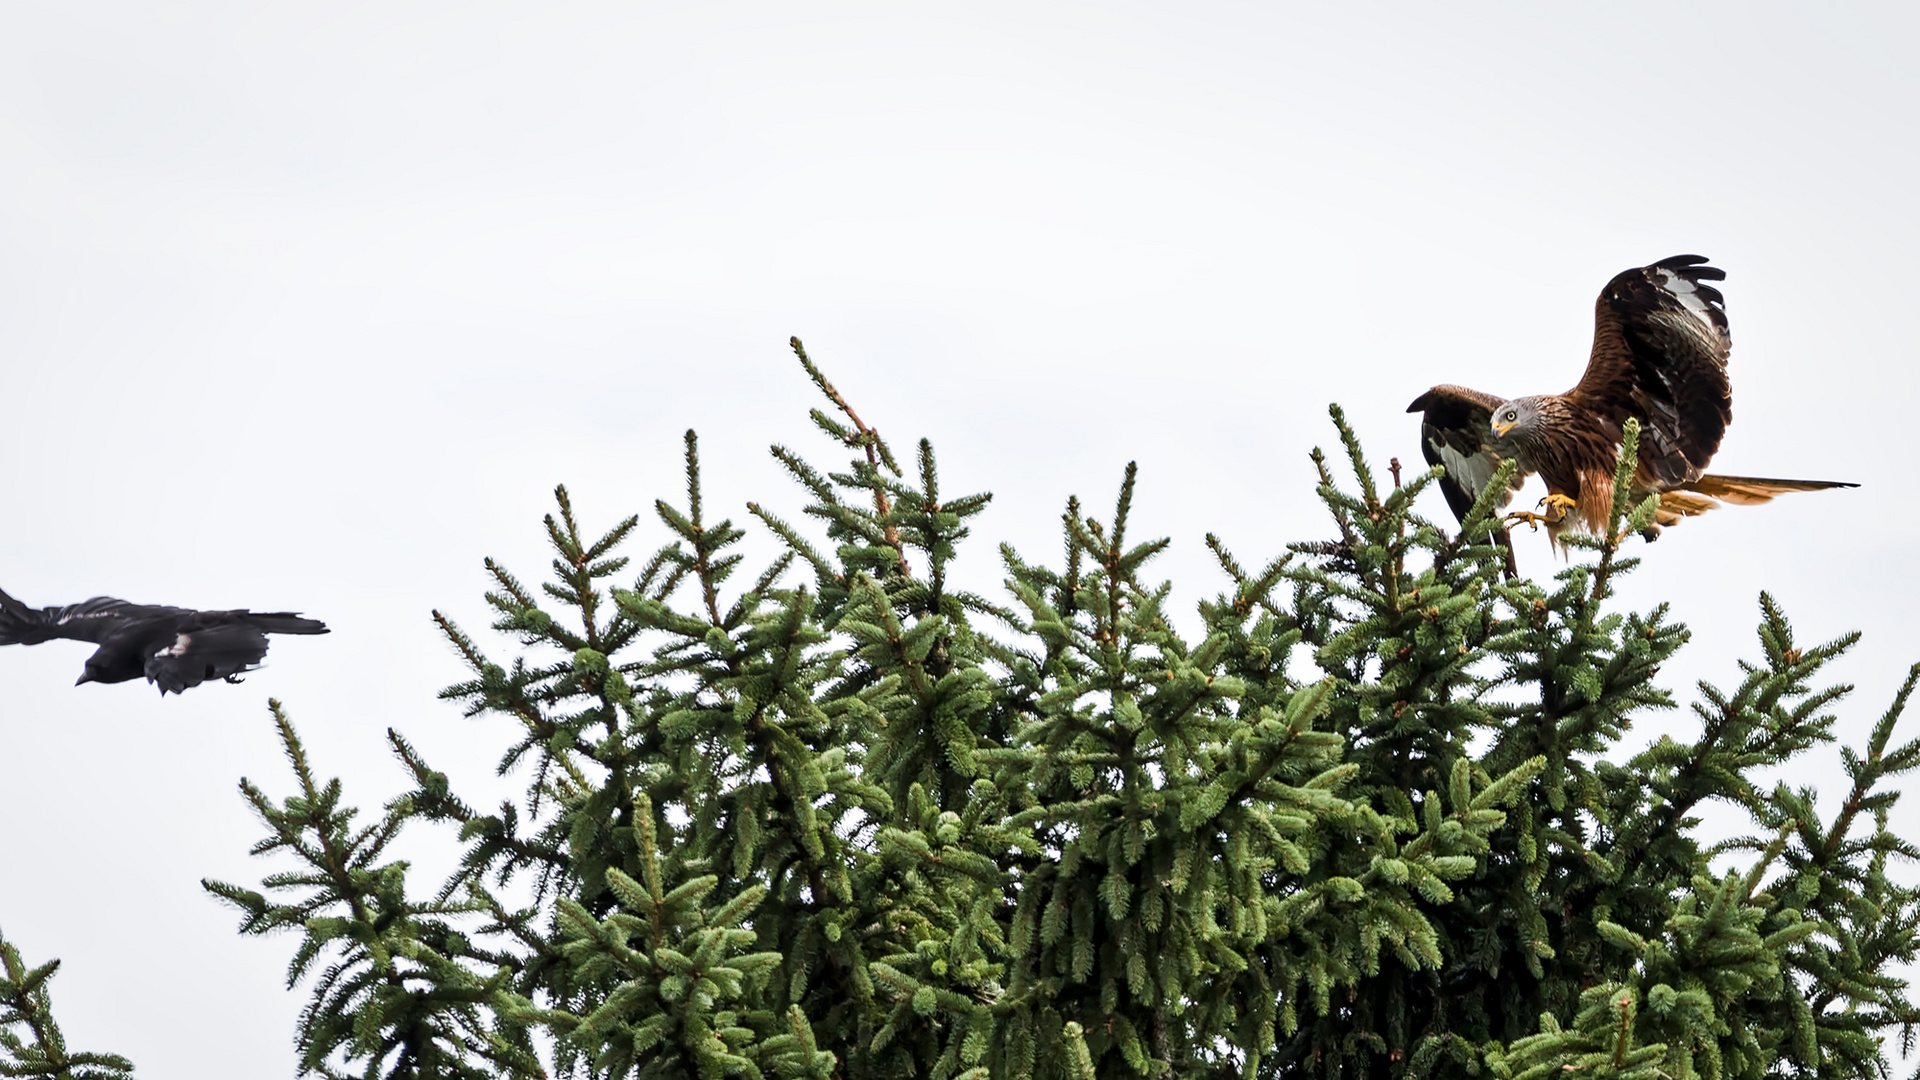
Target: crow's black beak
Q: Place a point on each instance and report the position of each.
(85, 677)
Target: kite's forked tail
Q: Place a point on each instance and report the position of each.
(1710, 491)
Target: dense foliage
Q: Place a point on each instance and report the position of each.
(850, 821)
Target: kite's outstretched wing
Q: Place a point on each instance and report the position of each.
(1660, 347)
(1456, 433)
(89, 620)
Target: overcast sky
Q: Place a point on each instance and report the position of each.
(309, 306)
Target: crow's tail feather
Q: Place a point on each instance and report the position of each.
(285, 622)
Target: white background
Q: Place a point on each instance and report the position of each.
(310, 306)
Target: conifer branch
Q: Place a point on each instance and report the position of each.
(26, 1003)
(702, 553)
(875, 447)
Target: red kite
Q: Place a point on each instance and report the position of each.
(1660, 346)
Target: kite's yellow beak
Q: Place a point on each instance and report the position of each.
(1501, 429)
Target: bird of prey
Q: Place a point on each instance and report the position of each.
(176, 648)
(1660, 347)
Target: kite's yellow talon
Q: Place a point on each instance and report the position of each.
(1553, 502)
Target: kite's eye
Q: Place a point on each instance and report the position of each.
(1511, 416)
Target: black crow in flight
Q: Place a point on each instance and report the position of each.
(174, 647)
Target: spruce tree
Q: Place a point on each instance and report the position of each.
(841, 818)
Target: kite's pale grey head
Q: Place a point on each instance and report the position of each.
(1520, 417)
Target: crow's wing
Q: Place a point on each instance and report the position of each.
(203, 651)
(89, 620)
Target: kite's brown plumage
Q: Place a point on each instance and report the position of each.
(1660, 348)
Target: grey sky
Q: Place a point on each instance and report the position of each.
(309, 306)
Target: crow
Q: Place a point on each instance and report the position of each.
(174, 647)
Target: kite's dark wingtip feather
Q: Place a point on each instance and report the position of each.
(1692, 267)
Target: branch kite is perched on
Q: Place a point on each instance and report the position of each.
(1660, 347)
(176, 648)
